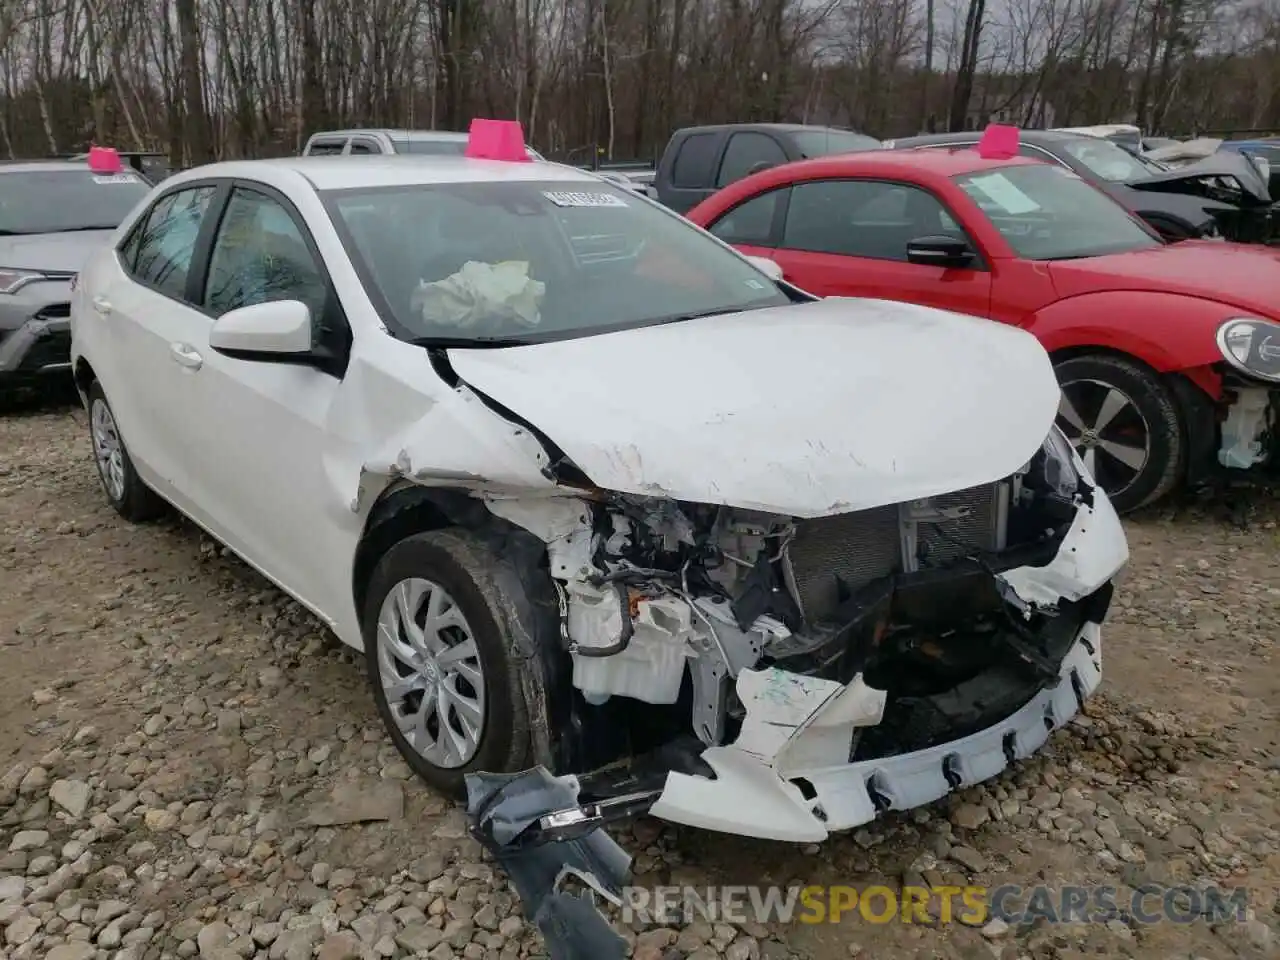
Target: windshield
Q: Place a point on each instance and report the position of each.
(1047, 213)
(520, 261)
(1267, 151)
(820, 143)
(1110, 161)
(54, 201)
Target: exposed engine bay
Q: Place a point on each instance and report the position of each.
(650, 588)
(837, 667)
(907, 598)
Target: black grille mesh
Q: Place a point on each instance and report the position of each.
(857, 548)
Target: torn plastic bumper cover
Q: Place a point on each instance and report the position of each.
(812, 754)
(534, 826)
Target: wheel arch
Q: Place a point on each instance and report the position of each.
(1175, 383)
(1194, 392)
(401, 510)
(83, 376)
(1171, 396)
(1075, 351)
(1167, 332)
(404, 509)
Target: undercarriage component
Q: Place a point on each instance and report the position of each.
(1246, 429)
(543, 830)
(503, 809)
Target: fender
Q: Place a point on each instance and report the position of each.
(1169, 332)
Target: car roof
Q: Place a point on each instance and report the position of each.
(43, 166)
(395, 134)
(942, 163)
(1031, 136)
(923, 167)
(1100, 130)
(775, 127)
(394, 170)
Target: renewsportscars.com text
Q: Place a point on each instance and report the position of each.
(972, 905)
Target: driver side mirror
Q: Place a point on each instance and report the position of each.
(277, 331)
(940, 252)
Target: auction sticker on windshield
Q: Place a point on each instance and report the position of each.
(579, 198)
(116, 178)
(997, 188)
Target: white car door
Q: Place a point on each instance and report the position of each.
(141, 302)
(258, 427)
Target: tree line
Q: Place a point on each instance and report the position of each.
(209, 79)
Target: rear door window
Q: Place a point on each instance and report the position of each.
(167, 242)
(693, 165)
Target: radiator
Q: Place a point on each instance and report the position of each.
(857, 548)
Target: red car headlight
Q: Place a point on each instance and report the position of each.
(1252, 346)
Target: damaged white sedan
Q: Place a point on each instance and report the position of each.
(597, 497)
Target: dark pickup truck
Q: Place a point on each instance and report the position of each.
(698, 161)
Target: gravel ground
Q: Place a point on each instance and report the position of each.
(188, 752)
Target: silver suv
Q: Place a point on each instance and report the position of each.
(53, 215)
(371, 142)
(347, 143)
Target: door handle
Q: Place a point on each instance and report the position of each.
(102, 305)
(185, 355)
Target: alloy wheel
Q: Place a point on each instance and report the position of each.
(430, 671)
(1107, 430)
(107, 449)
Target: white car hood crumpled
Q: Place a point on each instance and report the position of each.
(806, 410)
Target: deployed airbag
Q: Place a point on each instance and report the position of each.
(481, 293)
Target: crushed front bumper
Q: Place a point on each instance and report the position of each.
(535, 828)
(1233, 441)
(843, 797)
(788, 775)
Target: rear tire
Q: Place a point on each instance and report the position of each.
(124, 489)
(1125, 425)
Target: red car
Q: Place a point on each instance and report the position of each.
(1168, 354)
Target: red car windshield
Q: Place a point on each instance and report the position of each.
(1048, 213)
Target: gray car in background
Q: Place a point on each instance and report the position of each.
(53, 215)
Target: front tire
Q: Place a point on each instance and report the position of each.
(1124, 424)
(438, 651)
(124, 489)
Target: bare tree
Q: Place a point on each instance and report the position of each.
(253, 77)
